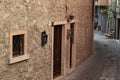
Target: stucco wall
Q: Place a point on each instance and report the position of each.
(85, 31)
(34, 15)
(31, 15)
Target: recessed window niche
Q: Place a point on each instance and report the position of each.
(18, 46)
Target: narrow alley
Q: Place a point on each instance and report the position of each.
(104, 64)
(59, 39)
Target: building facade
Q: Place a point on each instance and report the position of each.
(44, 39)
(100, 14)
(118, 19)
(102, 2)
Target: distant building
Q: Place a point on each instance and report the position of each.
(101, 14)
(118, 19)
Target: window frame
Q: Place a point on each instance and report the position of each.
(23, 57)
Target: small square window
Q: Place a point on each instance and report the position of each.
(18, 46)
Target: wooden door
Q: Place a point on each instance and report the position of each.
(57, 51)
(71, 43)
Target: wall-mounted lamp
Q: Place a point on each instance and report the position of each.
(44, 38)
(70, 17)
(68, 33)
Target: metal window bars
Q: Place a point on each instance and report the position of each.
(18, 45)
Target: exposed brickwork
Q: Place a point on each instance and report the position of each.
(34, 15)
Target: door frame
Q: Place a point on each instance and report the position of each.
(69, 70)
(63, 49)
(64, 66)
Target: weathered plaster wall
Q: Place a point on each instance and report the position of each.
(84, 30)
(34, 15)
(31, 15)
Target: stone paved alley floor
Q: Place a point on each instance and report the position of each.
(104, 64)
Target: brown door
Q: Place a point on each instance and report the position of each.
(71, 42)
(57, 51)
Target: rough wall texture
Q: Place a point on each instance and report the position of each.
(34, 15)
(85, 30)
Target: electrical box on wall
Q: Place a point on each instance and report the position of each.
(44, 38)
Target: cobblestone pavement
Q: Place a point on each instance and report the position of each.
(104, 64)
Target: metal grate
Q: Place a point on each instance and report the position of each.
(18, 45)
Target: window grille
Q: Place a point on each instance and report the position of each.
(18, 45)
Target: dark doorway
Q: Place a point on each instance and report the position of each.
(118, 29)
(18, 45)
(57, 51)
(71, 42)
